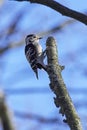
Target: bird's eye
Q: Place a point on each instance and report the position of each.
(34, 36)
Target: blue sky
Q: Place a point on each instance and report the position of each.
(16, 72)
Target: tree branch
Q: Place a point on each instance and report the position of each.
(10, 46)
(5, 114)
(36, 117)
(57, 28)
(57, 85)
(61, 9)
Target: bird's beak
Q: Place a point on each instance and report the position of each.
(40, 37)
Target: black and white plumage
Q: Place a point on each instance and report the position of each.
(34, 53)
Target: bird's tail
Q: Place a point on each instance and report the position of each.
(41, 65)
(36, 72)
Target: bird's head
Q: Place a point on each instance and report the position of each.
(32, 38)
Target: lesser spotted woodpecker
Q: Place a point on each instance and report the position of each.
(34, 53)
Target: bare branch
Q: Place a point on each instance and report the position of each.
(10, 46)
(61, 9)
(43, 90)
(39, 118)
(5, 114)
(57, 28)
(21, 42)
(57, 85)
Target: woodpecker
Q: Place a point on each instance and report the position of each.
(34, 53)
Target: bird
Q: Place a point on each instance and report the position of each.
(34, 53)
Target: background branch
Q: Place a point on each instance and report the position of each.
(57, 85)
(36, 117)
(5, 114)
(61, 9)
(57, 28)
(10, 45)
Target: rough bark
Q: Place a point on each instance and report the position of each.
(57, 85)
